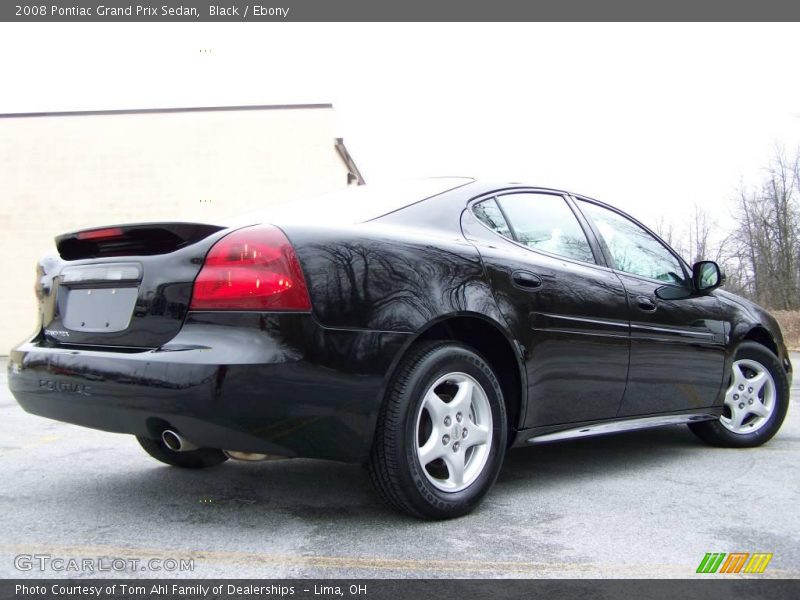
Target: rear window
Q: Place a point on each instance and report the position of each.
(354, 204)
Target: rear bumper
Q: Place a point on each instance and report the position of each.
(268, 383)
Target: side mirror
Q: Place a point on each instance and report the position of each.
(707, 276)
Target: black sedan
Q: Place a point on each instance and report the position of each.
(421, 329)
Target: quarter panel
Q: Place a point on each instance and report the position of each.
(389, 278)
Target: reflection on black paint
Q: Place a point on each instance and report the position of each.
(392, 285)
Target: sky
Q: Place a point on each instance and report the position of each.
(652, 118)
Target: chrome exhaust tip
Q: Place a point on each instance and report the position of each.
(175, 442)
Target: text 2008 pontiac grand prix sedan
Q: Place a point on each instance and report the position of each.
(421, 329)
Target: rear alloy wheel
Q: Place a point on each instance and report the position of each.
(454, 432)
(441, 433)
(190, 459)
(755, 402)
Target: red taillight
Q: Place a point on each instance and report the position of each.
(254, 268)
(96, 234)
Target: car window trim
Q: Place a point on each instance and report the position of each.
(600, 259)
(612, 263)
(563, 197)
(596, 242)
(509, 224)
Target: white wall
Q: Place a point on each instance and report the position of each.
(61, 173)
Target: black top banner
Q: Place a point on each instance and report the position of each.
(401, 10)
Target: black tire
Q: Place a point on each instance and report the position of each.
(716, 434)
(394, 467)
(193, 459)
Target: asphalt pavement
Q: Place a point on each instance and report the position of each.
(646, 504)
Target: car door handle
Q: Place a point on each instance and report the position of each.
(646, 304)
(526, 280)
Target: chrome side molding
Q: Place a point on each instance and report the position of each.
(619, 426)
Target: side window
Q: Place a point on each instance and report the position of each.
(545, 222)
(632, 248)
(489, 214)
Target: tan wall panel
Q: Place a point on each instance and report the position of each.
(62, 173)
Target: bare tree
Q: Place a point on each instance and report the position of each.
(697, 242)
(699, 232)
(665, 230)
(765, 247)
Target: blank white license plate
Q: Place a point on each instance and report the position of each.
(102, 309)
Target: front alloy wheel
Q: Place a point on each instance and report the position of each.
(441, 432)
(755, 402)
(750, 399)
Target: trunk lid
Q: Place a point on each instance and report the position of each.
(121, 287)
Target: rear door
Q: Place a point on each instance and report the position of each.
(678, 345)
(567, 310)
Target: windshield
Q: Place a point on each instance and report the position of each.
(353, 204)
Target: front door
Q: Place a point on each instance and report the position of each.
(677, 345)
